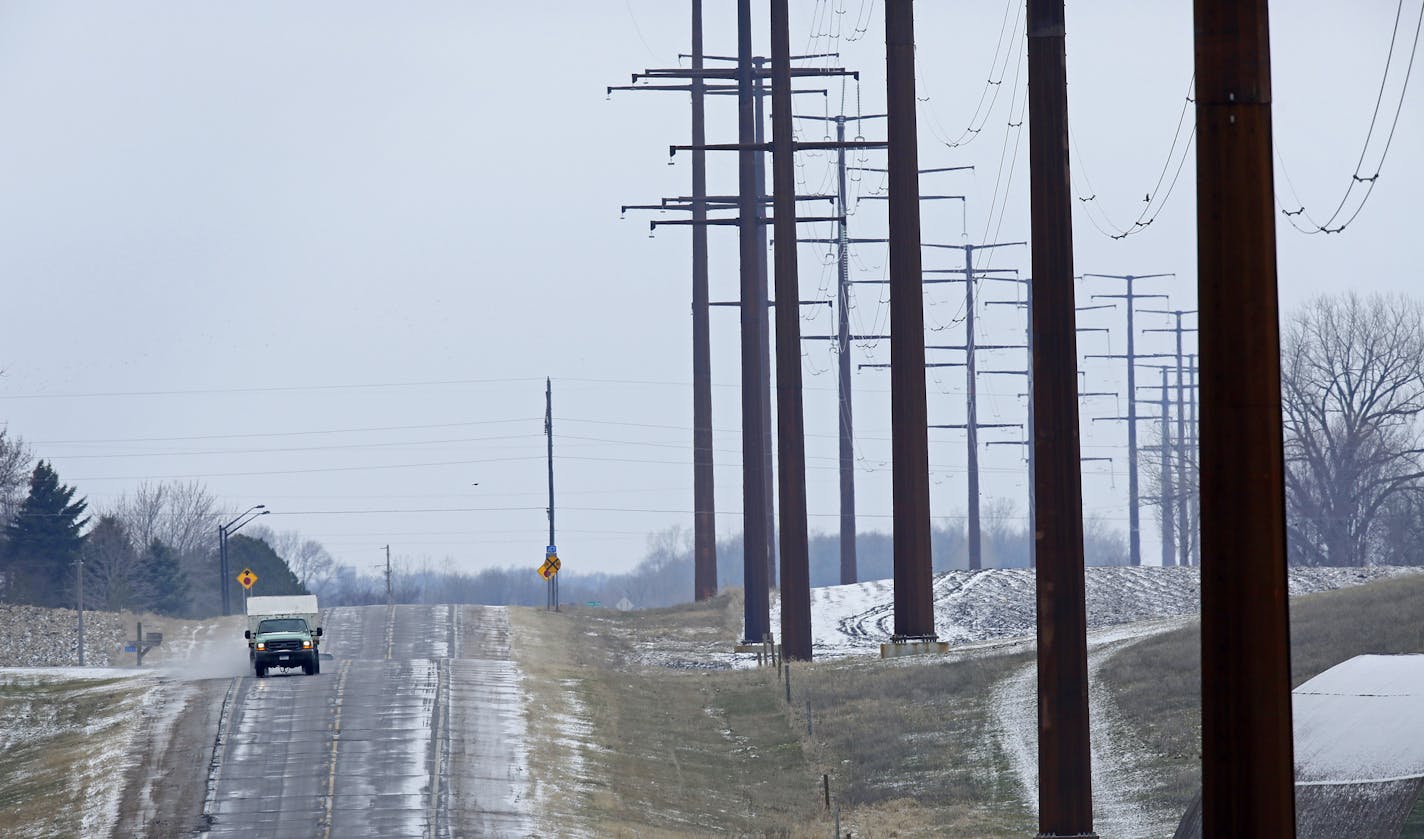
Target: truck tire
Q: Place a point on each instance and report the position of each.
(316, 663)
(260, 670)
(308, 669)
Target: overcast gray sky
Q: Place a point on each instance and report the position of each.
(321, 256)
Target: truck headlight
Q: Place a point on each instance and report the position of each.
(306, 645)
(261, 645)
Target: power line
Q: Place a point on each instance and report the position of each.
(250, 435)
(1367, 182)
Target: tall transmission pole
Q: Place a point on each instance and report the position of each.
(972, 426)
(1248, 768)
(757, 611)
(791, 431)
(751, 220)
(1179, 479)
(1130, 296)
(1065, 795)
(1194, 506)
(764, 315)
(704, 503)
(1166, 488)
(704, 521)
(914, 597)
(845, 425)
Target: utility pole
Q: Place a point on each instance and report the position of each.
(1248, 768)
(791, 431)
(1134, 537)
(1194, 508)
(79, 582)
(763, 313)
(390, 599)
(1179, 482)
(704, 511)
(1165, 488)
(914, 597)
(223, 572)
(1065, 794)
(549, 433)
(755, 499)
(845, 414)
(703, 502)
(972, 426)
(704, 520)
(755, 335)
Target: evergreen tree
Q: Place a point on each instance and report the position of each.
(43, 540)
(164, 586)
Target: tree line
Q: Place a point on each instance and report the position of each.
(153, 550)
(1352, 370)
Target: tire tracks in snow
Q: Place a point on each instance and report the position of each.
(1121, 773)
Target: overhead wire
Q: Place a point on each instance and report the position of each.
(1358, 180)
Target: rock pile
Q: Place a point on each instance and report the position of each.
(35, 637)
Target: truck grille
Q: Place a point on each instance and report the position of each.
(284, 646)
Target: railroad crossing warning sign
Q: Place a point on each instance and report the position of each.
(247, 578)
(550, 567)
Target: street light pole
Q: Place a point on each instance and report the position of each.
(224, 532)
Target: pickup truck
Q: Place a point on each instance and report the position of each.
(283, 632)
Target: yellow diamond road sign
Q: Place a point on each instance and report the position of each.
(247, 578)
(550, 567)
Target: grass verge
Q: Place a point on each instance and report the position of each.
(1157, 682)
(61, 755)
(658, 747)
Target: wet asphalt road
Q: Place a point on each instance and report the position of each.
(414, 728)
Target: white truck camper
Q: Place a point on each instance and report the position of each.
(283, 631)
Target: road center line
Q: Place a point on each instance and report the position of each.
(390, 630)
(335, 746)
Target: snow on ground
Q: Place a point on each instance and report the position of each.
(997, 604)
(1121, 774)
(1361, 721)
(96, 777)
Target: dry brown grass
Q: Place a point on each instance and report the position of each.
(46, 780)
(669, 752)
(676, 752)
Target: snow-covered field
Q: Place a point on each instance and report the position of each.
(999, 604)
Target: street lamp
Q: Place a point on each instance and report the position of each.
(225, 531)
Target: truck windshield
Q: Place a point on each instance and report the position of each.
(282, 625)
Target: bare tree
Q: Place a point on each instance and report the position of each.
(1006, 536)
(1353, 390)
(183, 516)
(15, 469)
(308, 559)
(111, 567)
